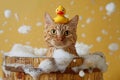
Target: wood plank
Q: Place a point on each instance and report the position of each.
(60, 77)
(52, 76)
(19, 69)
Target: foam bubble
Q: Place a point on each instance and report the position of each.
(99, 39)
(38, 24)
(7, 13)
(24, 29)
(1, 31)
(110, 8)
(113, 47)
(104, 32)
(81, 73)
(88, 20)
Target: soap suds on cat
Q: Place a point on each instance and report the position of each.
(62, 59)
(47, 66)
(24, 29)
(40, 52)
(82, 49)
(20, 50)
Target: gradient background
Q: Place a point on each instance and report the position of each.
(31, 13)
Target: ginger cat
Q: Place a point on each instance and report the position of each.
(60, 36)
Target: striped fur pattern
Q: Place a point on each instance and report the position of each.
(60, 35)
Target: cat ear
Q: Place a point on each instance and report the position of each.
(74, 21)
(48, 19)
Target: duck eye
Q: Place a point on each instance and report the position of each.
(66, 33)
(53, 31)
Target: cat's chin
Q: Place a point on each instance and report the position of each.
(59, 45)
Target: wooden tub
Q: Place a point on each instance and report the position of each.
(17, 73)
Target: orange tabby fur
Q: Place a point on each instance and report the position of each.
(60, 36)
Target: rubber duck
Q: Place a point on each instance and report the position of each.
(60, 18)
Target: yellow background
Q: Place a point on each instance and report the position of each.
(31, 12)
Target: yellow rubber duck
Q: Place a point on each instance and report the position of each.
(60, 18)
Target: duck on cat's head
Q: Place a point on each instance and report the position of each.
(60, 35)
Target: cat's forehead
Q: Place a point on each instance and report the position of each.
(61, 26)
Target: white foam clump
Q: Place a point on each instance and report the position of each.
(15, 65)
(99, 39)
(24, 29)
(38, 24)
(113, 47)
(18, 50)
(88, 20)
(6, 72)
(7, 13)
(91, 61)
(32, 72)
(47, 66)
(40, 51)
(104, 32)
(81, 73)
(1, 31)
(62, 59)
(110, 8)
(80, 17)
(82, 49)
(1, 79)
(83, 35)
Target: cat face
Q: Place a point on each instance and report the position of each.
(60, 35)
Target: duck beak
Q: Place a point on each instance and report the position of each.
(60, 12)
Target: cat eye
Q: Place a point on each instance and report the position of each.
(66, 33)
(53, 31)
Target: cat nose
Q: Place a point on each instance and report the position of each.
(60, 38)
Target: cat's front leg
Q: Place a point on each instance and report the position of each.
(48, 65)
